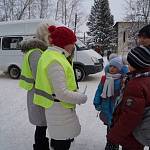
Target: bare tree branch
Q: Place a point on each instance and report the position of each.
(26, 4)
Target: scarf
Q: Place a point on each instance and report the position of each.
(108, 88)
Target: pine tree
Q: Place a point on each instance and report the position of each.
(100, 24)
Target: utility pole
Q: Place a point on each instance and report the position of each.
(29, 10)
(75, 23)
(65, 12)
(84, 38)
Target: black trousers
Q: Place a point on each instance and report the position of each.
(41, 141)
(40, 134)
(61, 144)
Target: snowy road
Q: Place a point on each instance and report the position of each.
(16, 133)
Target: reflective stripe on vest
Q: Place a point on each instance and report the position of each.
(45, 98)
(44, 94)
(26, 79)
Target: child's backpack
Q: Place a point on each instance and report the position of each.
(142, 131)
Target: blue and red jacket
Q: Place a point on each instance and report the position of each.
(106, 106)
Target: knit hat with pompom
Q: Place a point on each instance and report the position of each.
(61, 36)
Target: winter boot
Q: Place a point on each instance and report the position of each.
(42, 146)
(37, 147)
(46, 144)
(110, 146)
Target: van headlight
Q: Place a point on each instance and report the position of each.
(95, 60)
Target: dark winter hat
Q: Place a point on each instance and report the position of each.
(139, 57)
(61, 36)
(145, 31)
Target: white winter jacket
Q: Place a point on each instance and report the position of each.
(62, 123)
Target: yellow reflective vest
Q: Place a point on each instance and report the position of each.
(43, 88)
(26, 79)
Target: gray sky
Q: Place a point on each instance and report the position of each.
(117, 9)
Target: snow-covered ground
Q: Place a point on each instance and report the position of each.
(16, 133)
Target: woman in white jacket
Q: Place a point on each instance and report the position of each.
(63, 123)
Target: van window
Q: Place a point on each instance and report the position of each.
(11, 43)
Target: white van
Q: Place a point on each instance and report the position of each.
(86, 61)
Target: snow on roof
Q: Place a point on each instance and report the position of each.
(22, 27)
(24, 21)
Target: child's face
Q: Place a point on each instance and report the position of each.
(131, 68)
(113, 70)
(144, 41)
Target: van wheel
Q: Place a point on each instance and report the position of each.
(14, 72)
(80, 73)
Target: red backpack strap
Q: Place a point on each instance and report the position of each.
(103, 78)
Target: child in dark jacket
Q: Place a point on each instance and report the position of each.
(129, 114)
(107, 92)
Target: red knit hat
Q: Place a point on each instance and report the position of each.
(62, 36)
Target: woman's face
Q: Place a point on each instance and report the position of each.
(113, 70)
(70, 48)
